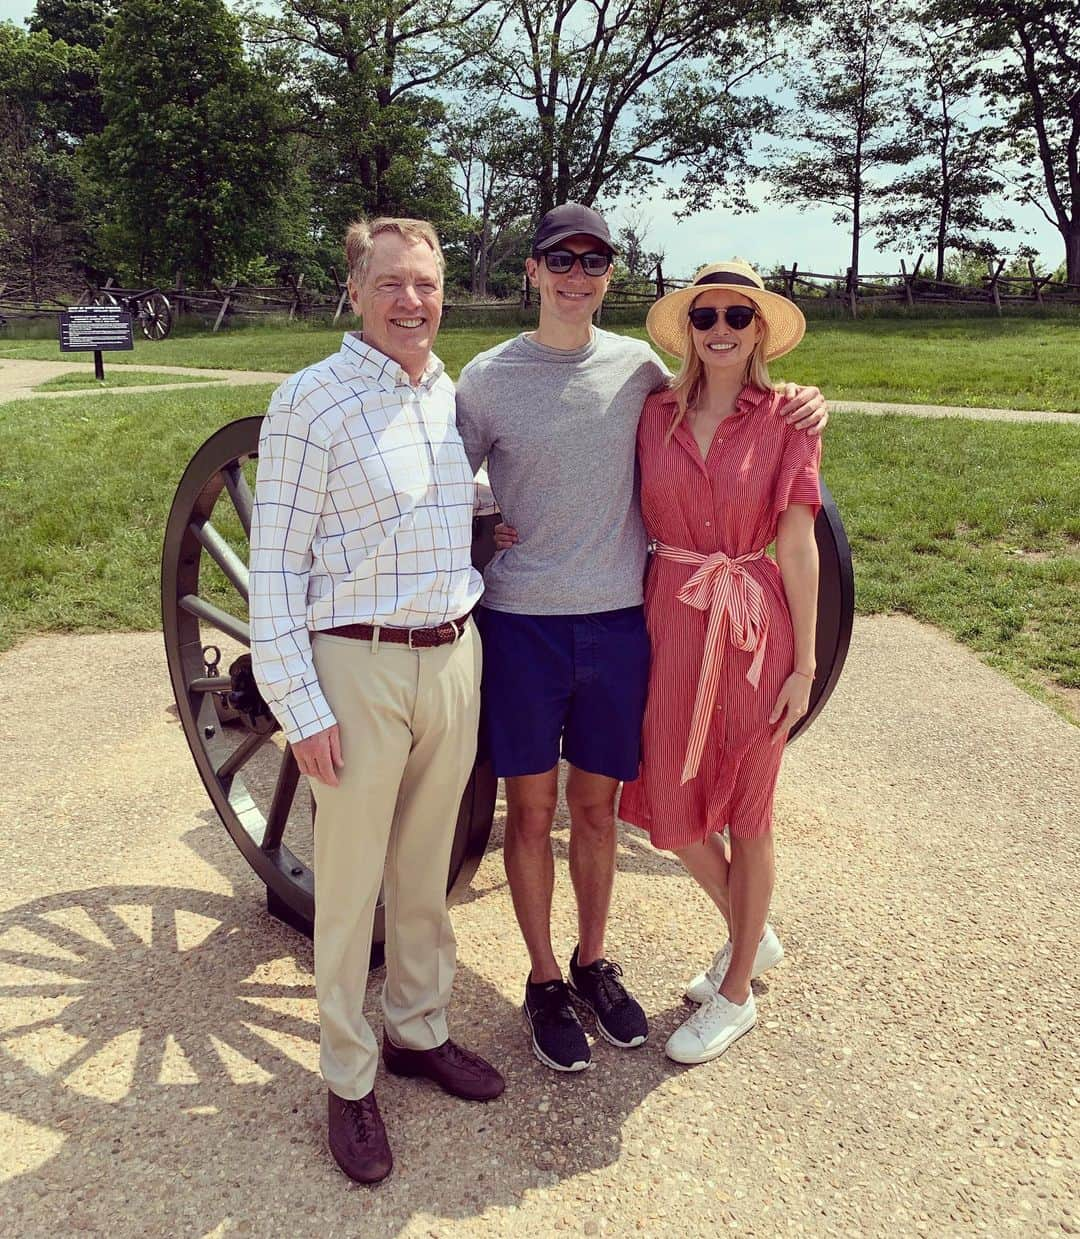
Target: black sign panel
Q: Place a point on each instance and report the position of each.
(95, 328)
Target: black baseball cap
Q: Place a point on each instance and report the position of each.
(570, 220)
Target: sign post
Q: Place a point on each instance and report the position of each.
(97, 329)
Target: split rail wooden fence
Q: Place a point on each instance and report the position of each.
(846, 292)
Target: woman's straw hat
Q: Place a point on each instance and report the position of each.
(666, 323)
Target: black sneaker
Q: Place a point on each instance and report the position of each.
(618, 1016)
(557, 1036)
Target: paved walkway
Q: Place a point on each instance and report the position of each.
(944, 410)
(18, 378)
(913, 1072)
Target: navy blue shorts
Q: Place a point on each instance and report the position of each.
(569, 685)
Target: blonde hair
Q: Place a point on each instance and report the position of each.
(360, 242)
(687, 383)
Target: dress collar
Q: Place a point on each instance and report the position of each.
(381, 370)
(748, 399)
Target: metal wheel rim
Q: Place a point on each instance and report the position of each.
(155, 318)
(836, 608)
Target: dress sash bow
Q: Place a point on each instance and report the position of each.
(737, 612)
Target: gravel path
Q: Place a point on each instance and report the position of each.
(914, 1070)
(18, 379)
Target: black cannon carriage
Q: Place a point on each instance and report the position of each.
(241, 756)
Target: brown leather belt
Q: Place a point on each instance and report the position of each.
(414, 638)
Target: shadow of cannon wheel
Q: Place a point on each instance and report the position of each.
(111, 995)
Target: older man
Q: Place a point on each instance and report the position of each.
(361, 589)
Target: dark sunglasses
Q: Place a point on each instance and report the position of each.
(737, 317)
(594, 263)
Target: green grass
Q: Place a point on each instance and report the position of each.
(1013, 362)
(118, 378)
(971, 526)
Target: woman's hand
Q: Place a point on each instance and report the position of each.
(506, 536)
(792, 703)
(805, 408)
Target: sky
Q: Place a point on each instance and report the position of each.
(773, 235)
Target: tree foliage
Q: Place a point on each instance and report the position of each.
(191, 156)
(844, 123)
(362, 77)
(145, 136)
(39, 232)
(1032, 78)
(938, 201)
(487, 154)
(613, 91)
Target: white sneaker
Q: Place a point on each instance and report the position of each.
(707, 984)
(710, 1030)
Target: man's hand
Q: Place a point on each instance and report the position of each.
(319, 756)
(806, 408)
(506, 536)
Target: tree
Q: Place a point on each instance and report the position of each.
(615, 92)
(38, 176)
(1034, 79)
(192, 149)
(487, 153)
(940, 203)
(362, 77)
(844, 124)
(83, 24)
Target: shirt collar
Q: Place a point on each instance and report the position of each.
(381, 370)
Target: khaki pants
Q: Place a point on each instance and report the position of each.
(408, 722)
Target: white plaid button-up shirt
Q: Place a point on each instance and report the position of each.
(364, 504)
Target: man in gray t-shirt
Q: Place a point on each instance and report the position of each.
(566, 655)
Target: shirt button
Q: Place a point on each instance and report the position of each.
(708, 524)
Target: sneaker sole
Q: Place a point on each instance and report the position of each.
(622, 1045)
(550, 1062)
(758, 972)
(708, 1055)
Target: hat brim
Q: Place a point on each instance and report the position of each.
(559, 238)
(667, 318)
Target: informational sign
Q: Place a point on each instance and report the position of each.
(95, 329)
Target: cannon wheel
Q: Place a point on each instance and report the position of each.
(155, 316)
(212, 504)
(836, 607)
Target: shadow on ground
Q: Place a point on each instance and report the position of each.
(160, 1050)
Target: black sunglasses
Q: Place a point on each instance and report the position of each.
(594, 263)
(737, 317)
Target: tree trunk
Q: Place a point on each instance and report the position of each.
(485, 260)
(943, 231)
(1071, 233)
(856, 229)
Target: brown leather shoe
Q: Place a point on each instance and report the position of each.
(358, 1138)
(457, 1071)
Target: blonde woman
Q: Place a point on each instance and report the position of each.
(732, 630)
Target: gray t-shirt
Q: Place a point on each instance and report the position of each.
(558, 429)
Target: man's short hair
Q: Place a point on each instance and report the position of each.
(360, 241)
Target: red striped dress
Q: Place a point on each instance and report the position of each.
(707, 758)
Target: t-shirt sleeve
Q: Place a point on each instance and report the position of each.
(471, 423)
(659, 374)
(798, 480)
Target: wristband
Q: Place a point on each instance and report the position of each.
(808, 674)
